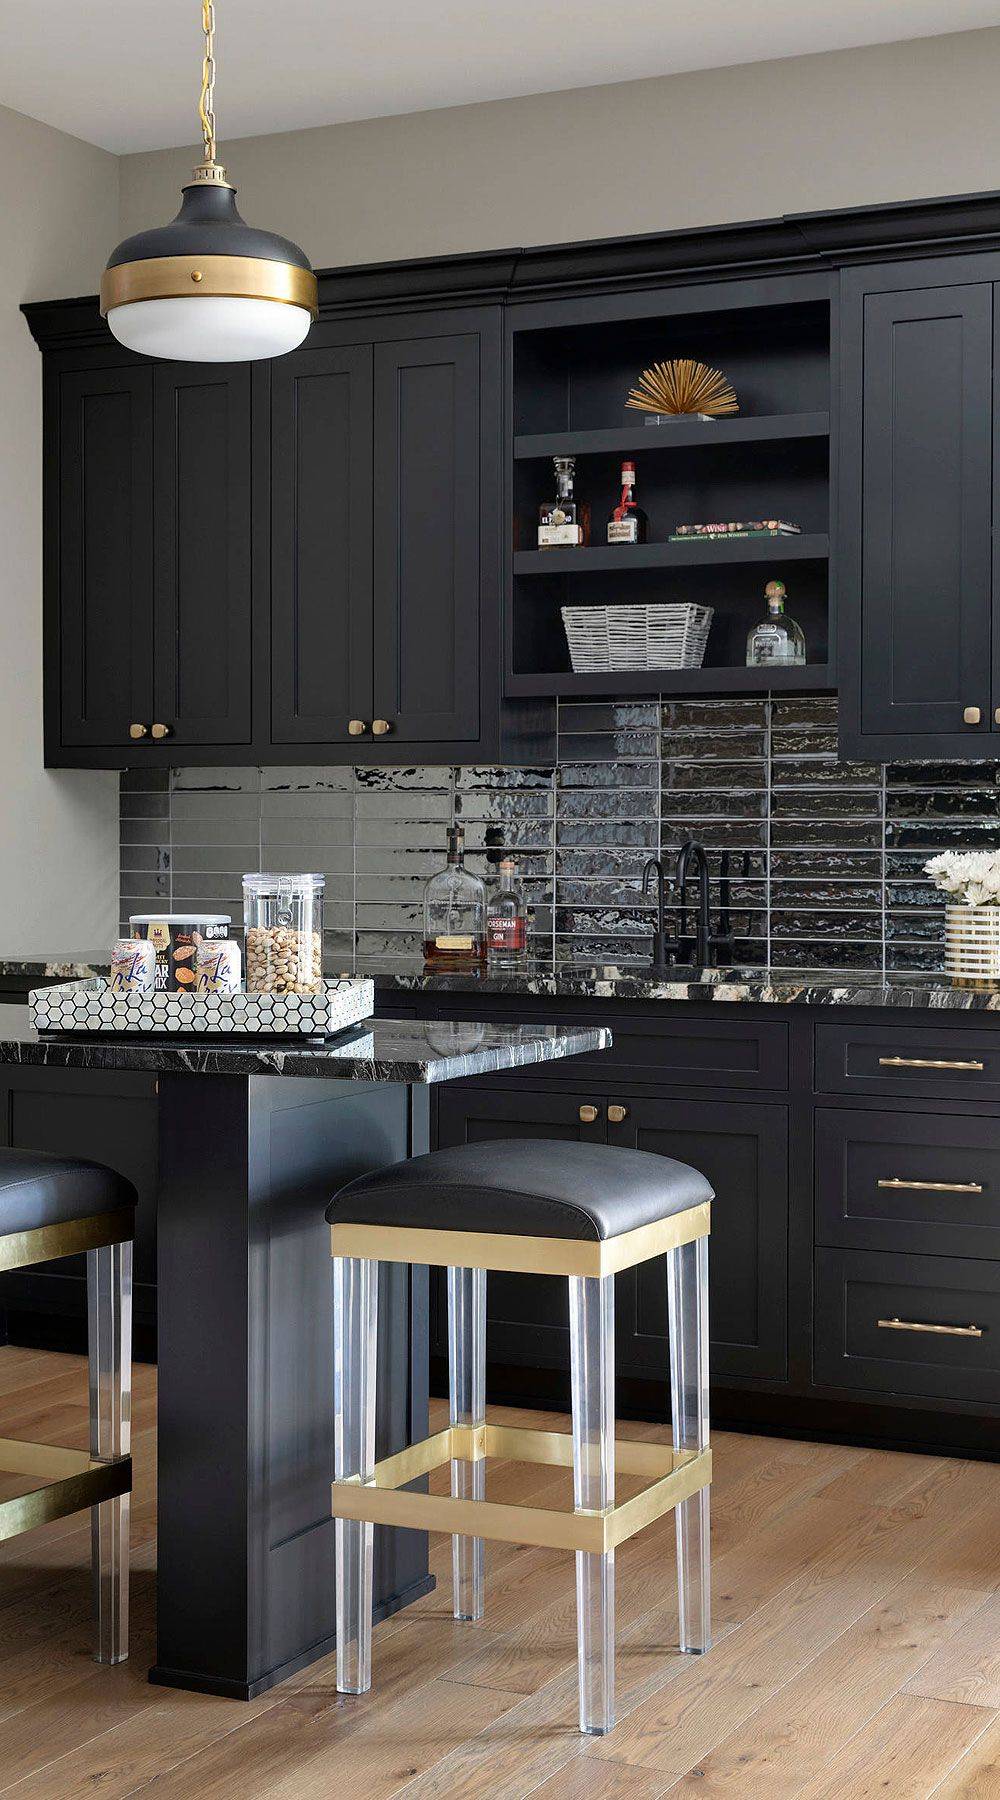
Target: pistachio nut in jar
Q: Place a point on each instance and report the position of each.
(283, 917)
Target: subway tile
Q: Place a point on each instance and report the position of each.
(600, 715)
(217, 831)
(204, 859)
(609, 803)
(397, 780)
(713, 834)
(704, 805)
(825, 953)
(485, 780)
(719, 746)
(331, 804)
(822, 865)
(134, 857)
(943, 775)
(144, 886)
(734, 777)
(933, 835)
(608, 775)
(803, 711)
(642, 833)
(831, 834)
(607, 746)
(840, 894)
(295, 780)
(817, 922)
(915, 927)
(497, 805)
(713, 715)
(942, 803)
(215, 781)
(144, 781)
(821, 771)
(205, 807)
(818, 803)
(144, 805)
(422, 805)
(914, 959)
(818, 740)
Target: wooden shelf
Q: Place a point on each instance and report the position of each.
(686, 435)
(810, 679)
(809, 547)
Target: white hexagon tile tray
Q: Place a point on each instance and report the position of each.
(90, 1006)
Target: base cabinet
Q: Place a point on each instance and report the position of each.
(741, 1147)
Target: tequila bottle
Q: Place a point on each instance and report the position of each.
(777, 639)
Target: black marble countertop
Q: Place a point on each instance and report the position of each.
(69, 965)
(769, 987)
(378, 1050)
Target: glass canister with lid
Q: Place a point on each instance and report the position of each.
(283, 916)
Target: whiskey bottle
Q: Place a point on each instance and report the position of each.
(776, 639)
(507, 922)
(564, 520)
(455, 912)
(628, 523)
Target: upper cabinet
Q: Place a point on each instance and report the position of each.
(385, 500)
(148, 593)
(918, 664)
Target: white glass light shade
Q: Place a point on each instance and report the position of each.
(210, 328)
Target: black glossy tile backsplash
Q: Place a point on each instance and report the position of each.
(820, 861)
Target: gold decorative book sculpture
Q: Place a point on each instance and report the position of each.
(683, 386)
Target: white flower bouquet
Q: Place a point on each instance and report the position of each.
(968, 877)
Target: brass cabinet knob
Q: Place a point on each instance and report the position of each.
(996, 716)
(357, 727)
(381, 727)
(161, 731)
(587, 1115)
(616, 1114)
(972, 715)
(136, 730)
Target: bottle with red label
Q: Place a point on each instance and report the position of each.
(507, 921)
(628, 523)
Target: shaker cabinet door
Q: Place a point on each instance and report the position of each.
(915, 573)
(321, 545)
(202, 537)
(427, 538)
(99, 485)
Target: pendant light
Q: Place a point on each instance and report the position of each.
(208, 287)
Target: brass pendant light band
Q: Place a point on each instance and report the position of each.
(237, 277)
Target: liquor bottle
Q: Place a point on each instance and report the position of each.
(628, 523)
(455, 912)
(507, 921)
(776, 639)
(564, 520)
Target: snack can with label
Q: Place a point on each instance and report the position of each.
(133, 967)
(175, 938)
(218, 967)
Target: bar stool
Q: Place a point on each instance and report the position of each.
(57, 1206)
(584, 1211)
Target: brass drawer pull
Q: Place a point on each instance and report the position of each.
(932, 1187)
(925, 1062)
(939, 1330)
(587, 1115)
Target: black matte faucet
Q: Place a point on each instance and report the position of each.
(692, 853)
(655, 867)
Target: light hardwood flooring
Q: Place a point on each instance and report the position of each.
(857, 1650)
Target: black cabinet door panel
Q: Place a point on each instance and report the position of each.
(743, 1151)
(321, 544)
(922, 1182)
(939, 1063)
(105, 558)
(202, 527)
(926, 524)
(427, 538)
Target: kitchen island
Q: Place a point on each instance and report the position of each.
(252, 1142)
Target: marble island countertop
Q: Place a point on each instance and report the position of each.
(399, 1050)
(776, 987)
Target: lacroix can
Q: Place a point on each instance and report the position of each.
(217, 968)
(133, 967)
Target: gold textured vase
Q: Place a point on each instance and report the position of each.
(972, 945)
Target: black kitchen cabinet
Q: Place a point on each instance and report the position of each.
(111, 1118)
(742, 1148)
(148, 588)
(915, 537)
(384, 549)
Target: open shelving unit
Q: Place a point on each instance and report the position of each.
(573, 363)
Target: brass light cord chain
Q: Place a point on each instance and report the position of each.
(206, 105)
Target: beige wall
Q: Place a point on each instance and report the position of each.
(58, 831)
(892, 122)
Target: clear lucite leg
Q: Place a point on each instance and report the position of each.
(687, 1292)
(355, 1333)
(467, 1396)
(109, 1324)
(592, 1348)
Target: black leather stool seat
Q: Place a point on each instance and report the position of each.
(37, 1189)
(523, 1188)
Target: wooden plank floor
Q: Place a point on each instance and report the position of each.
(857, 1652)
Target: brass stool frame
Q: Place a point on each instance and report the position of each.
(100, 1478)
(366, 1493)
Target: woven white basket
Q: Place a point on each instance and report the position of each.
(660, 635)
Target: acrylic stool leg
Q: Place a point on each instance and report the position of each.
(592, 1349)
(355, 1334)
(467, 1406)
(687, 1292)
(109, 1325)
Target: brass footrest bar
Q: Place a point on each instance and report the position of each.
(674, 1476)
(75, 1481)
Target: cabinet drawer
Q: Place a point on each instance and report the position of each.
(924, 1182)
(921, 1325)
(908, 1059)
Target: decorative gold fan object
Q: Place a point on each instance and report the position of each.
(683, 386)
